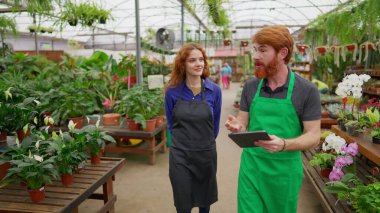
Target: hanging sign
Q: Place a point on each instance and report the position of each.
(155, 81)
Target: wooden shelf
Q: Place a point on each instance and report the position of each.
(302, 71)
(370, 92)
(366, 147)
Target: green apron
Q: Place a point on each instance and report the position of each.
(270, 182)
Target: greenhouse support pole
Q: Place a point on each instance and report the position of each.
(182, 24)
(199, 33)
(35, 34)
(93, 39)
(138, 49)
(2, 43)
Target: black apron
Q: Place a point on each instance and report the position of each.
(192, 159)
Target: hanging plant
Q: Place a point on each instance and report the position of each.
(322, 50)
(7, 25)
(244, 43)
(366, 46)
(227, 42)
(352, 48)
(302, 47)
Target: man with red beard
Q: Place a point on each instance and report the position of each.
(288, 108)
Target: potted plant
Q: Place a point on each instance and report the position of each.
(141, 107)
(32, 28)
(35, 169)
(352, 126)
(95, 141)
(375, 133)
(70, 154)
(325, 161)
(362, 197)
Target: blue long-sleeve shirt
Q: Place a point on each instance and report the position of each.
(213, 96)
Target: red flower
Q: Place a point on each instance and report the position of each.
(345, 102)
(115, 77)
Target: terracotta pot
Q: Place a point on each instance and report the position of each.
(67, 179)
(326, 172)
(159, 120)
(4, 169)
(227, 42)
(3, 136)
(21, 135)
(78, 121)
(150, 125)
(95, 159)
(325, 115)
(132, 125)
(37, 195)
(111, 119)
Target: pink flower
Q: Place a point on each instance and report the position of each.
(343, 161)
(125, 79)
(351, 149)
(336, 174)
(115, 77)
(107, 103)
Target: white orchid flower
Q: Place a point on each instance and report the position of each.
(88, 119)
(37, 102)
(38, 158)
(47, 129)
(71, 126)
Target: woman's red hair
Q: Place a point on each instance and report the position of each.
(276, 36)
(178, 74)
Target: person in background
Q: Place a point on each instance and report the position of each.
(322, 87)
(288, 108)
(192, 107)
(229, 74)
(225, 74)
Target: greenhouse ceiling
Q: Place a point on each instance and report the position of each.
(244, 16)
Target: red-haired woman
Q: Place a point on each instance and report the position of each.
(192, 106)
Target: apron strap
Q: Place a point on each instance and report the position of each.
(291, 85)
(202, 89)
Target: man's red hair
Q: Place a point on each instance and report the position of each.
(276, 36)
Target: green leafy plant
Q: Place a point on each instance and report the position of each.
(36, 167)
(323, 160)
(69, 151)
(95, 138)
(363, 198)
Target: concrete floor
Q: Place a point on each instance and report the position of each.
(144, 188)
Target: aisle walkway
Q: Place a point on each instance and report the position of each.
(142, 188)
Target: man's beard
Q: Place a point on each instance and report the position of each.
(268, 70)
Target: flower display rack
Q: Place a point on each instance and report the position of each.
(59, 198)
(329, 201)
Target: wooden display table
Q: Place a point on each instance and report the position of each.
(326, 123)
(329, 201)
(60, 198)
(153, 141)
(366, 147)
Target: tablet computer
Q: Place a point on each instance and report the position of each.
(247, 139)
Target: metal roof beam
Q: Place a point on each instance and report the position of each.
(262, 26)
